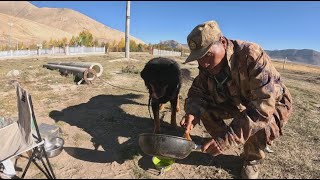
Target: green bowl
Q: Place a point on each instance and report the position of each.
(162, 163)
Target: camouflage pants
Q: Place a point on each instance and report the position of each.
(213, 121)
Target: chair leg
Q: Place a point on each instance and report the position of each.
(44, 165)
(39, 167)
(48, 162)
(48, 174)
(28, 165)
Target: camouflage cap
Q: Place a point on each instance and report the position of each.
(201, 38)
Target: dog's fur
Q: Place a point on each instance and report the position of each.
(162, 77)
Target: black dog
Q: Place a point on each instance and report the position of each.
(162, 76)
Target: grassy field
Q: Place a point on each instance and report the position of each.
(101, 122)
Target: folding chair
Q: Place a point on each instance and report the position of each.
(23, 136)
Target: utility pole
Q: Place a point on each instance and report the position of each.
(127, 30)
(160, 48)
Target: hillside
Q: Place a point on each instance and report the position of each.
(54, 22)
(29, 32)
(307, 56)
(174, 44)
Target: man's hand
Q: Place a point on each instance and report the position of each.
(219, 145)
(188, 122)
(212, 147)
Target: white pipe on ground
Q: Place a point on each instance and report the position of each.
(88, 75)
(96, 66)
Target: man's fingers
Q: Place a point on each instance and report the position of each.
(189, 126)
(187, 123)
(195, 121)
(207, 145)
(182, 122)
(212, 148)
(214, 151)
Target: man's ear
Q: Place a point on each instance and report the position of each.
(224, 42)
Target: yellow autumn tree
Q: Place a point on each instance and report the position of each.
(121, 45)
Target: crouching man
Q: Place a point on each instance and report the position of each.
(236, 80)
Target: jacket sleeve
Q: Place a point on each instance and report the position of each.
(195, 103)
(259, 111)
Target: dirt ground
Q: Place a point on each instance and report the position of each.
(101, 122)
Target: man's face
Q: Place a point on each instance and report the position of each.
(213, 58)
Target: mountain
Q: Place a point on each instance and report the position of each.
(29, 32)
(307, 56)
(31, 23)
(174, 44)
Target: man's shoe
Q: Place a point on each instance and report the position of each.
(250, 170)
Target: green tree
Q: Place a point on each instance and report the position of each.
(73, 41)
(51, 42)
(96, 42)
(20, 45)
(63, 42)
(56, 43)
(86, 38)
(133, 46)
(140, 48)
(45, 44)
(106, 44)
(113, 46)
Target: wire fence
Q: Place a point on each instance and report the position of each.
(53, 51)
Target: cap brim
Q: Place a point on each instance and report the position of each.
(195, 55)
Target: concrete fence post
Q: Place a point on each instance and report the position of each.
(67, 49)
(106, 49)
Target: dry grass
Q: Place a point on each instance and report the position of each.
(296, 67)
(109, 115)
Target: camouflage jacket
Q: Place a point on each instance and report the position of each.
(253, 90)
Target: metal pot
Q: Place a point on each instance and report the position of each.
(166, 146)
(57, 147)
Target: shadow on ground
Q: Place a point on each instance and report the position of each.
(110, 127)
(117, 133)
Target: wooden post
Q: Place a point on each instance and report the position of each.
(284, 62)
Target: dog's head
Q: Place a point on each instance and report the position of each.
(161, 75)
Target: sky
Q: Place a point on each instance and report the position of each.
(274, 25)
